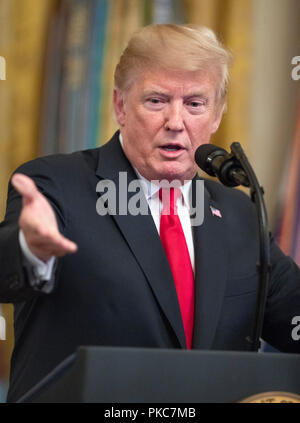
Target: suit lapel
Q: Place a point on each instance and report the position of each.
(211, 266)
(142, 237)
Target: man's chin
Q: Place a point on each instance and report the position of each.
(174, 173)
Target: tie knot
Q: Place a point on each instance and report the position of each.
(169, 197)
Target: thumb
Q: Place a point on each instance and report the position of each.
(25, 186)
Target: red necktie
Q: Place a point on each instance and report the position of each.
(173, 240)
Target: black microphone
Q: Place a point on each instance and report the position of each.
(215, 161)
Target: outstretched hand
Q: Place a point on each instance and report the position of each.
(38, 222)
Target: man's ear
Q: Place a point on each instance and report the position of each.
(218, 118)
(119, 107)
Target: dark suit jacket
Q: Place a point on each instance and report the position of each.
(117, 290)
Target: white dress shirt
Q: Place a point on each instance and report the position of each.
(151, 192)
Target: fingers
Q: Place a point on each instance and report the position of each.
(67, 246)
(61, 246)
(47, 245)
(25, 186)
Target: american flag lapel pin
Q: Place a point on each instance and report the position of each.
(215, 212)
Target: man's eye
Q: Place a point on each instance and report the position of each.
(196, 104)
(154, 100)
(154, 103)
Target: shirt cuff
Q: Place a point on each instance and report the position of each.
(40, 273)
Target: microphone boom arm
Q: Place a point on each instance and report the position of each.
(264, 264)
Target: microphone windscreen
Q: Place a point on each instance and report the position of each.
(203, 153)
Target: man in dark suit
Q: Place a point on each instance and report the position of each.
(80, 278)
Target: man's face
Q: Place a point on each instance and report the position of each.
(164, 117)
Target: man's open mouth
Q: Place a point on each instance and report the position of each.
(172, 147)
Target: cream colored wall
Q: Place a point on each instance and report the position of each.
(276, 39)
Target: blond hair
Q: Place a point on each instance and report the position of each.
(176, 47)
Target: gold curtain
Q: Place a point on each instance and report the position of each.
(124, 17)
(22, 42)
(289, 240)
(232, 21)
(6, 40)
(23, 31)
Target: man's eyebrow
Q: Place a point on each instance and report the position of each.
(155, 92)
(196, 94)
(191, 95)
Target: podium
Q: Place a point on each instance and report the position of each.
(138, 375)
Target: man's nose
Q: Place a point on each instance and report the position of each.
(174, 118)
